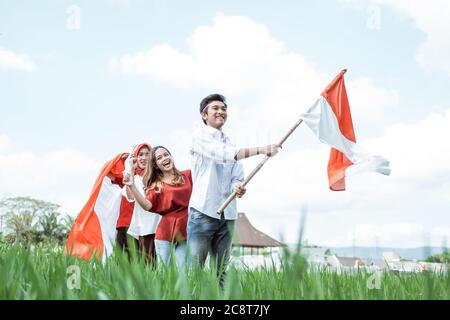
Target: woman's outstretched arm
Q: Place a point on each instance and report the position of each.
(138, 197)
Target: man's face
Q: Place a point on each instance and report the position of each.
(215, 114)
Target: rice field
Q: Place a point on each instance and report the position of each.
(47, 273)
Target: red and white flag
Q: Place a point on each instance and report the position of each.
(94, 229)
(331, 121)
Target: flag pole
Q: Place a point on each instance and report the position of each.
(259, 166)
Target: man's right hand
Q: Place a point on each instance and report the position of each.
(272, 149)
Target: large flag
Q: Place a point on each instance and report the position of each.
(331, 121)
(94, 229)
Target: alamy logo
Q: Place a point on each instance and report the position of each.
(73, 21)
(374, 281)
(374, 20)
(74, 277)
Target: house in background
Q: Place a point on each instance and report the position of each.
(344, 264)
(405, 266)
(375, 264)
(395, 263)
(253, 248)
(391, 257)
(248, 239)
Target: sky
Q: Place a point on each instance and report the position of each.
(81, 81)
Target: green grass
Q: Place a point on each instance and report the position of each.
(41, 273)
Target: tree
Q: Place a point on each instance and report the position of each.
(21, 217)
(66, 224)
(31, 220)
(443, 257)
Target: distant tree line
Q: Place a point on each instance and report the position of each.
(443, 257)
(27, 221)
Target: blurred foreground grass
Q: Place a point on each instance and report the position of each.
(45, 272)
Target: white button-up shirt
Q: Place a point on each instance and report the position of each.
(215, 172)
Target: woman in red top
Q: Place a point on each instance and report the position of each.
(146, 242)
(167, 193)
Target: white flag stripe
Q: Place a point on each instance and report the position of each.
(321, 119)
(107, 207)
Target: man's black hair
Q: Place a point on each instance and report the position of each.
(212, 97)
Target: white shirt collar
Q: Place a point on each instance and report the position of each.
(213, 131)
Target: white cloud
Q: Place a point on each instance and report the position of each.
(422, 149)
(223, 56)
(443, 232)
(5, 142)
(430, 17)
(370, 99)
(63, 176)
(242, 59)
(13, 61)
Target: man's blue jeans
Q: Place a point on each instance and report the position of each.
(208, 235)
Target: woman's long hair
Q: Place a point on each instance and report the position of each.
(152, 178)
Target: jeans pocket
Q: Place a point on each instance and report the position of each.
(195, 215)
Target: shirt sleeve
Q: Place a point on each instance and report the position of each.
(153, 197)
(189, 175)
(205, 145)
(237, 175)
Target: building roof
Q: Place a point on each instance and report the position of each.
(246, 235)
(349, 262)
(391, 256)
(380, 263)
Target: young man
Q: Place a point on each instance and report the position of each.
(216, 173)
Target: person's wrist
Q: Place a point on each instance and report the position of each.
(265, 150)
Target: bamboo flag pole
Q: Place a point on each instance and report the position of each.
(258, 167)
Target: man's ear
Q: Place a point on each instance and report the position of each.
(204, 115)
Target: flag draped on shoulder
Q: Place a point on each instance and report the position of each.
(93, 231)
(331, 121)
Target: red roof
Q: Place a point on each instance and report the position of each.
(245, 235)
